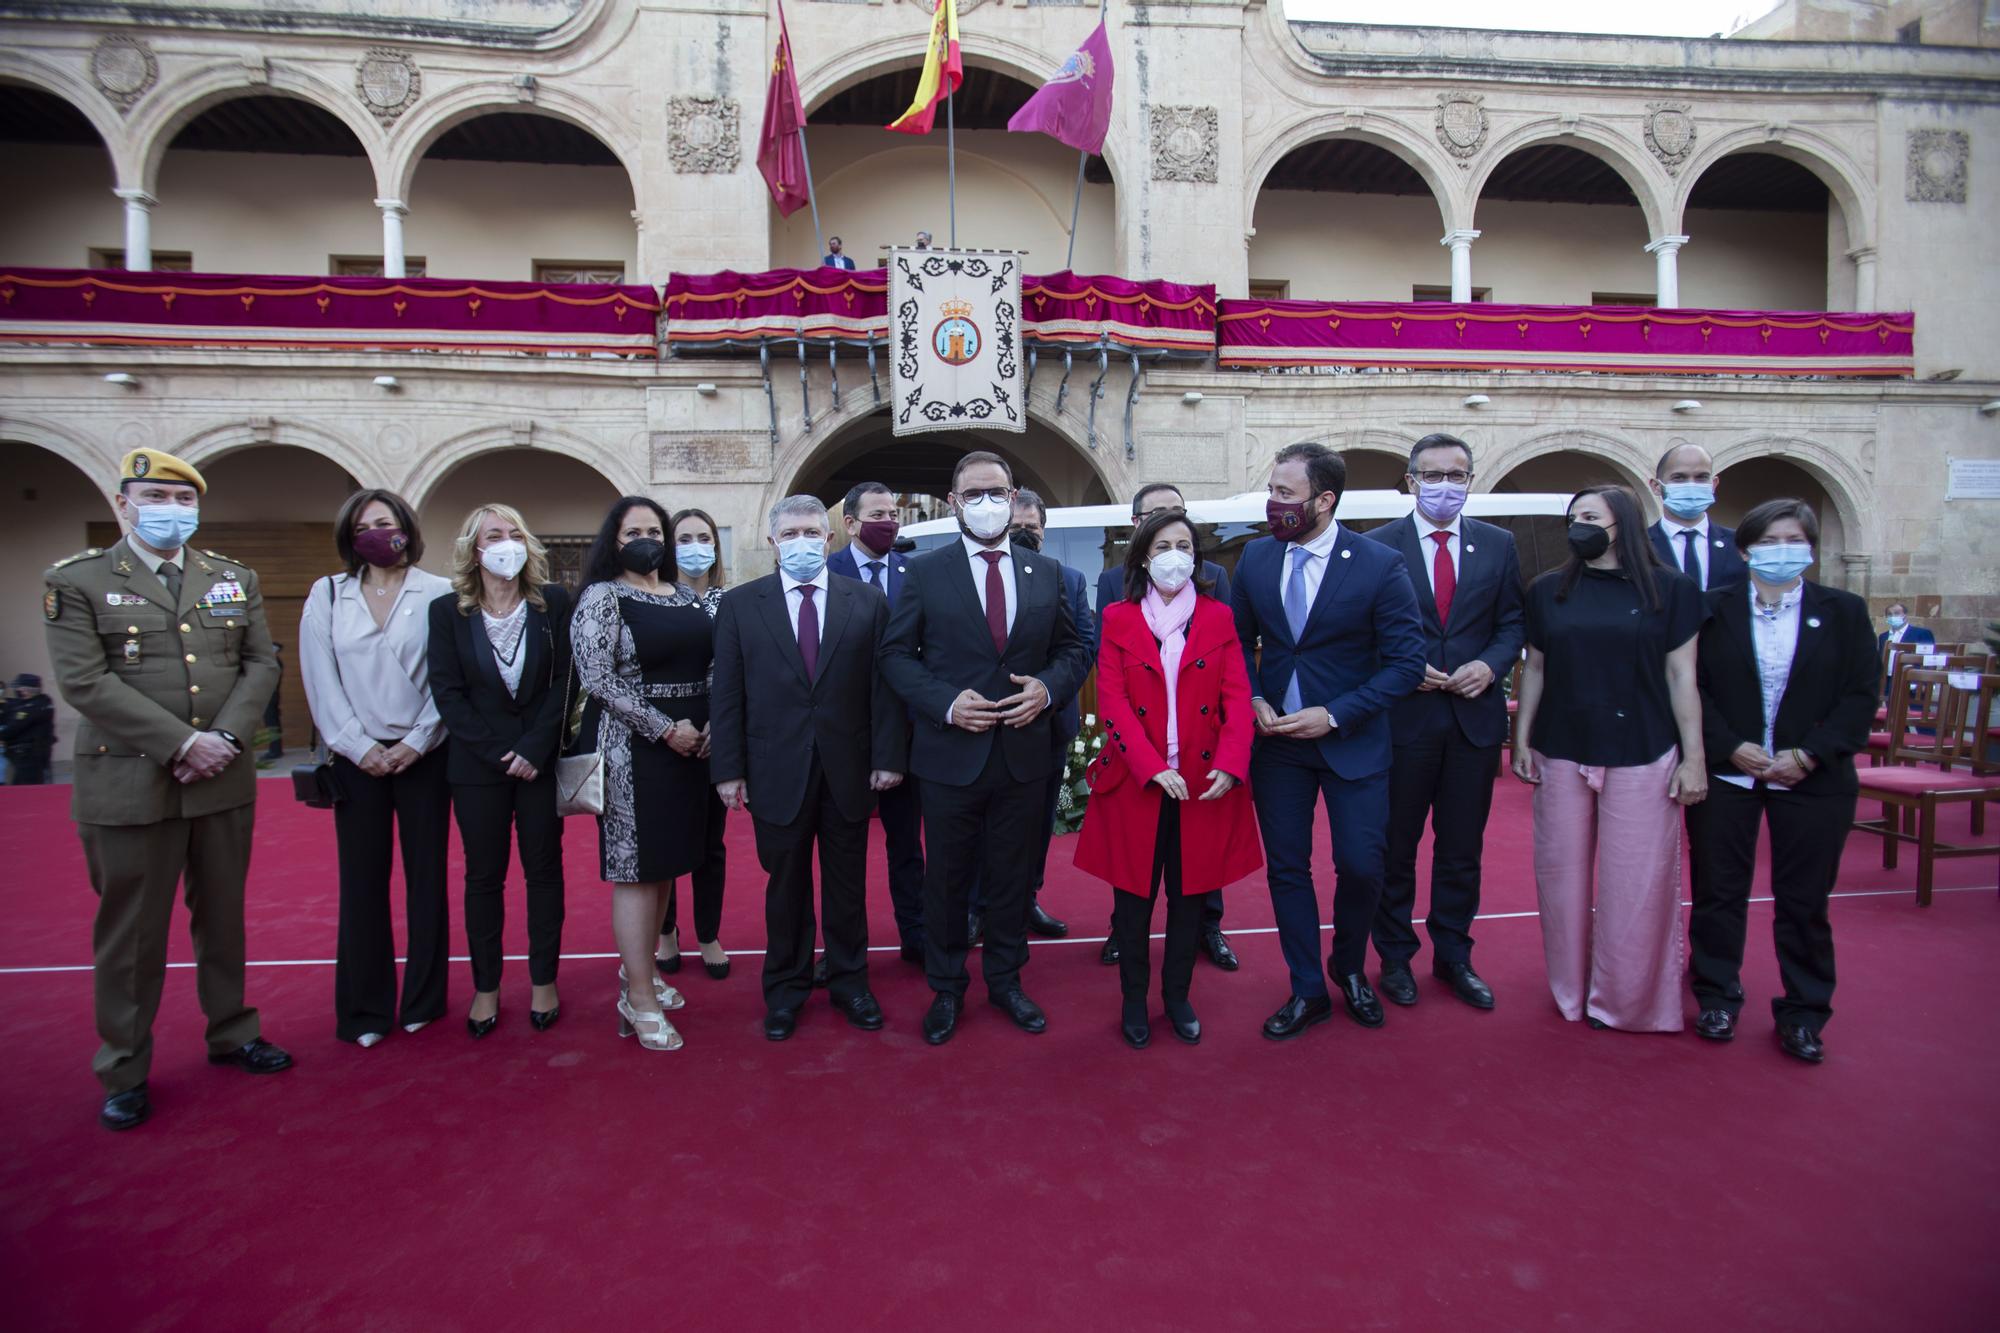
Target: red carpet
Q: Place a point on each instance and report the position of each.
(1503, 1170)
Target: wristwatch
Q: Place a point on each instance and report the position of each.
(230, 736)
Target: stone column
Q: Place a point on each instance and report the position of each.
(1460, 242)
(1666, 255)
(1854, 569)
(393, 213)
(1864, 276)
(138, 229)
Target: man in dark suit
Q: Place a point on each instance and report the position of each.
(1684, 483)
(980, 647)
(1330, 630)
(834, 258)
(804, 733)
(1149, 500)
(28, 732)
(869, 514)
(1900, 629)
(1467, 579)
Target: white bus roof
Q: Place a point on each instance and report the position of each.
(1249, 508)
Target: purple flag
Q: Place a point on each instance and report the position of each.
(1074, 107)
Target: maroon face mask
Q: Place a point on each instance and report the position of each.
(1289, 521)
(879, 534)
(381, 547)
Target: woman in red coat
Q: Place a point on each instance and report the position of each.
(1167, 800)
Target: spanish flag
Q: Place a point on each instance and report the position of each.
(944, 71)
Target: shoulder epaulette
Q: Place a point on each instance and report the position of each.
(225, 559)
(90, 554)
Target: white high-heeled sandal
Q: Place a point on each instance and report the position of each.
(367, 1039)
(668, 997)
(655, 1033)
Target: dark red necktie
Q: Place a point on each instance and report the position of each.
(996, 600)
(1444, 579)
(809, 629)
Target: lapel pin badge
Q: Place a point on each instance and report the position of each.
(1346, 555)
(1470, 548)
(1027, 569)
(1812, 622)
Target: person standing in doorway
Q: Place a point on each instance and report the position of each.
(28, 731)
(1684, 482)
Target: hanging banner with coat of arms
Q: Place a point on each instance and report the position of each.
(955, 324)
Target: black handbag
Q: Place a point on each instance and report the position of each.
(316, 784)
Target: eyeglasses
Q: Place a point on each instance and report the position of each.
(1145, 514)
(1441, 478)
(1000, 493)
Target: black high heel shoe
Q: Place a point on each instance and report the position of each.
(669, 966)
(479, 1027)
(544, 1019)
(717, 970)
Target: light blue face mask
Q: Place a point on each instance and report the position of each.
(1688, 499)
(1779, 563)
(694, 557)
(165, 527)
(802, 557)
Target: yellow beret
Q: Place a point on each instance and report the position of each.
(152, 465)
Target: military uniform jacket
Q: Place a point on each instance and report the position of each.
(146, 673)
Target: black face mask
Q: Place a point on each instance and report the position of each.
(1025, 537)
(642, 556)
(1588, 540)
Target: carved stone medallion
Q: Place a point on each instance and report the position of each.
(123, 68)
(388, 83)
(703, 134)
(1670, 133)
(1936, 168)
(1461, 125)
(1185, 143)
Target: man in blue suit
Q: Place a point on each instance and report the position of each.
(1330, 630)
(869, 513)
(1467, 578)
(833, 258)
(1150, 499)
(1684, 483)
(1900, 629)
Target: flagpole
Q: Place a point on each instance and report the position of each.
(951, 165)
(811, 197)
(1075, 207)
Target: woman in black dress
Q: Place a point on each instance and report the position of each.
(698, 569)
(643, 650)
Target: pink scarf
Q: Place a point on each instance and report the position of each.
(1169, 622)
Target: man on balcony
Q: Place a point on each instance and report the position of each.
(833, 257)
(1684, 483)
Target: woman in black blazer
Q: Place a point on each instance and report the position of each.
(499, 661)
(1786, 670)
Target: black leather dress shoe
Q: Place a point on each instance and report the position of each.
(862, 1010)
(779, 1024)
(1133, 1025)
(1109, 953)
(125, 1110)
(1215, 945)
(819, 973)
(1186, 1026)
(1296, 1015)
(257, 1056)
(1362, 1006)
(1041, 923)
(941, 1019)
(1716, 1025)
(1464, 983)
(1027, 1015)
(975, 929)
(913, 953)
(1801, 1043)
(1397, 985)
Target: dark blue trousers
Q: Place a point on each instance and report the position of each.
(1287, 778)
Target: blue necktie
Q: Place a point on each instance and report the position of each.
(875, 576)
(1296, 607)
(1690, 562)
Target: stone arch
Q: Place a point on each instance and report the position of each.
(1056, 209)
(1852, 189)
(97, 460)
(1626, 458)
(468, 101)
(1594, 137)
(1384, 132)
(168, 109)
(1837, 474)
(1369, 441)
(436, 463)
(26, 70)
(214, 442)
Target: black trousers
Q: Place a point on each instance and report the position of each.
(31, 772)
(901, 809)
(786, 853)
(1132, 919)
(1808, 833)
(490, 816)
(707, 881)
(986, 829)
(1448, 780)
(375, 815)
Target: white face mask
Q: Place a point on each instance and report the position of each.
(1171, 570)
(986, 517)
(504, 559)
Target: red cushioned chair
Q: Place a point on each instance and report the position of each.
(1909, 785)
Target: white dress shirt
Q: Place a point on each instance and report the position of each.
(1320, 547)
(1776, 638)
(1429, 545)
(794, 599)
(1678, 545)
(367, 683)
(978, 562)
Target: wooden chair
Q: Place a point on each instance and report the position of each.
(1964, 775)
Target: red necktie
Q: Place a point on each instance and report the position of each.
(996, 600)
(809, 630)
(1444, 579)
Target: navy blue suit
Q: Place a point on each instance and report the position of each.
(901, 807)
(1911, 634)
(1725, 563)
(1448, 747)
(1362, 649)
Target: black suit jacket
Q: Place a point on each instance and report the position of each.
(1725, 563)
(1488, 624)
(939, 646)
(484, 719)
(767, 720)
(1829, 701)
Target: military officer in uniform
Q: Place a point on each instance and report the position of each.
(28, 729)
(163, 651)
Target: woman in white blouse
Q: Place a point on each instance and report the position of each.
(364, 649)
